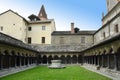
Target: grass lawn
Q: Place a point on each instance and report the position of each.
(43, 73)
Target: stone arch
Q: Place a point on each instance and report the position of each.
(105, 58)
(68, 59)
(13, 58)
(63, 59)
(74, 59)
(118, 58)
(111, 51)
(6, 59)
(111, 58)
(44, 59)
(18, 58)
(118, 50)
(56, 57)
(104, 51)
(49, 59)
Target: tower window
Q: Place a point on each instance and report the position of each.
(43, 39)
(116, 28)
(29, 40)
(43, 27)
(82, 39)
(29, 28)
(1, 28)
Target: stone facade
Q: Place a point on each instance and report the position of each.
(66, 38)
(31, 31)
(111, 4)
(100, 48)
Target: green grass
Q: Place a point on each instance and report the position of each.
(43, 73)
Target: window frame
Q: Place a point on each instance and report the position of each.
(83, 40)
(29, 28)
(29, 40)
(116, 28)
(43, 40)
(1, 28)
(43, 28)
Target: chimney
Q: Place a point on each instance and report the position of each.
(72, 28)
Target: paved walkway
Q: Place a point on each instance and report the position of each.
(9, 71)
(103, 72)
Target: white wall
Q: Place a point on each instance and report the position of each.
(13, 25)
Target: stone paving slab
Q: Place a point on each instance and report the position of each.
(103, 72)
(9, 71)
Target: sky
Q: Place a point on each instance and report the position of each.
(86, 14)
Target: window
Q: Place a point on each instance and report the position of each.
(43, 27)
(61, 40)
(1, 28)
(104, 35)
(116, 28)
(29, 28)
(43, 39)
(82, 39)
(29, 40)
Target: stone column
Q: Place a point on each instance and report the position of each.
(15, 58)
(108, 61)
(115, 62)
(102, 61)
(20, 60)
(88, 60)
(28, 61)
(94, 59)
(9, 62)
(24, 60)
(98, 60)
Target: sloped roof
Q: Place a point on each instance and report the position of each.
(14, 13)
(5, 39)
(69, 33)
(43, 12)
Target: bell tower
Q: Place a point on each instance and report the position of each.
(42, 14)
(111, 4)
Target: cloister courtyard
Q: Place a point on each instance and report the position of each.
(71, 72)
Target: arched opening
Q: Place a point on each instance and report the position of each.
(56, 57)
(63, 60)
(6, 59)
(49, 59)
(44, 59)
(68, 59)
(118, 59)
(74, 59)
(105, 59)
(1, 60)
(111, 59)
(39, 59)
(18, 59)
(13, 59)
(80, 59)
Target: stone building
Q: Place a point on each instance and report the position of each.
(99, 49)
(36, 31)
(73, 37)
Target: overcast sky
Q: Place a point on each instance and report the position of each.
(86, 14)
